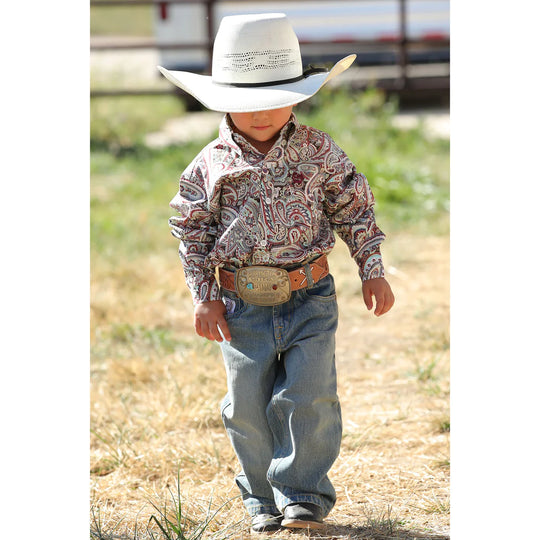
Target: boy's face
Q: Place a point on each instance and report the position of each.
(262, 127)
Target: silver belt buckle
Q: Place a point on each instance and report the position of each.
(262, 285)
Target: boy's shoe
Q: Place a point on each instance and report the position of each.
(265, 523)
(302, 515)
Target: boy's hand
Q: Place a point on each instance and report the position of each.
(384, 297)
(208, 316)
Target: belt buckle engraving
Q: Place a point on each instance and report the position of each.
(262, 285)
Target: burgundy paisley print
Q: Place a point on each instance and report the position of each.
(238, 207)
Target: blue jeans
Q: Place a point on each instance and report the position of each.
(282, 412)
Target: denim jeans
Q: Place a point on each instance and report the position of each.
(282, 412)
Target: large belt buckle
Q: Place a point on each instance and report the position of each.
(262, 285)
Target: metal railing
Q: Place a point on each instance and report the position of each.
(403, 43)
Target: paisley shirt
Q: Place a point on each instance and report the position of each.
(239, 207)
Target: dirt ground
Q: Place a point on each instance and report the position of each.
(394, 377)
(156, 418)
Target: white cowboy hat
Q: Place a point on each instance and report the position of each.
(256, 66)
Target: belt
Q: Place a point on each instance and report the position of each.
(301, 277)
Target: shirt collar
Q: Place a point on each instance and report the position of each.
(239, 143)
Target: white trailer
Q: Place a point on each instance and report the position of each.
(325, 29)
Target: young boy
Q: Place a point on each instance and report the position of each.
(260, 205)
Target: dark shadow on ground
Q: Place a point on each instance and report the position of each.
(348, 532)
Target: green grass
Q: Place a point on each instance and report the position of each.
(383, 523)
(173, 523)
(169, 522)
(131, 185)
(408, 173)
(119, 124)
(121, 21)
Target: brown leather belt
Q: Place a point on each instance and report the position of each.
(299, 278)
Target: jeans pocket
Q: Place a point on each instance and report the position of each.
(324, 290)
(234, 304)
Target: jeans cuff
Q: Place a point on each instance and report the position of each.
(254, 508)
(283, 500)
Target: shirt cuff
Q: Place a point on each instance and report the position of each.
(205, 290)
(373, 267)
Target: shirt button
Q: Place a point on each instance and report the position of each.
(263, 243)
(268, 200)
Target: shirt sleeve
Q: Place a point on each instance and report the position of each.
(349, 207)
(194, 226)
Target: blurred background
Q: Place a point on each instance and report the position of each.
(390, 111)
(404, 43)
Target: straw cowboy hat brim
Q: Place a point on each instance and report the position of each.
(229, 98)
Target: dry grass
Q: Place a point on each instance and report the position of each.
(156, 389)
